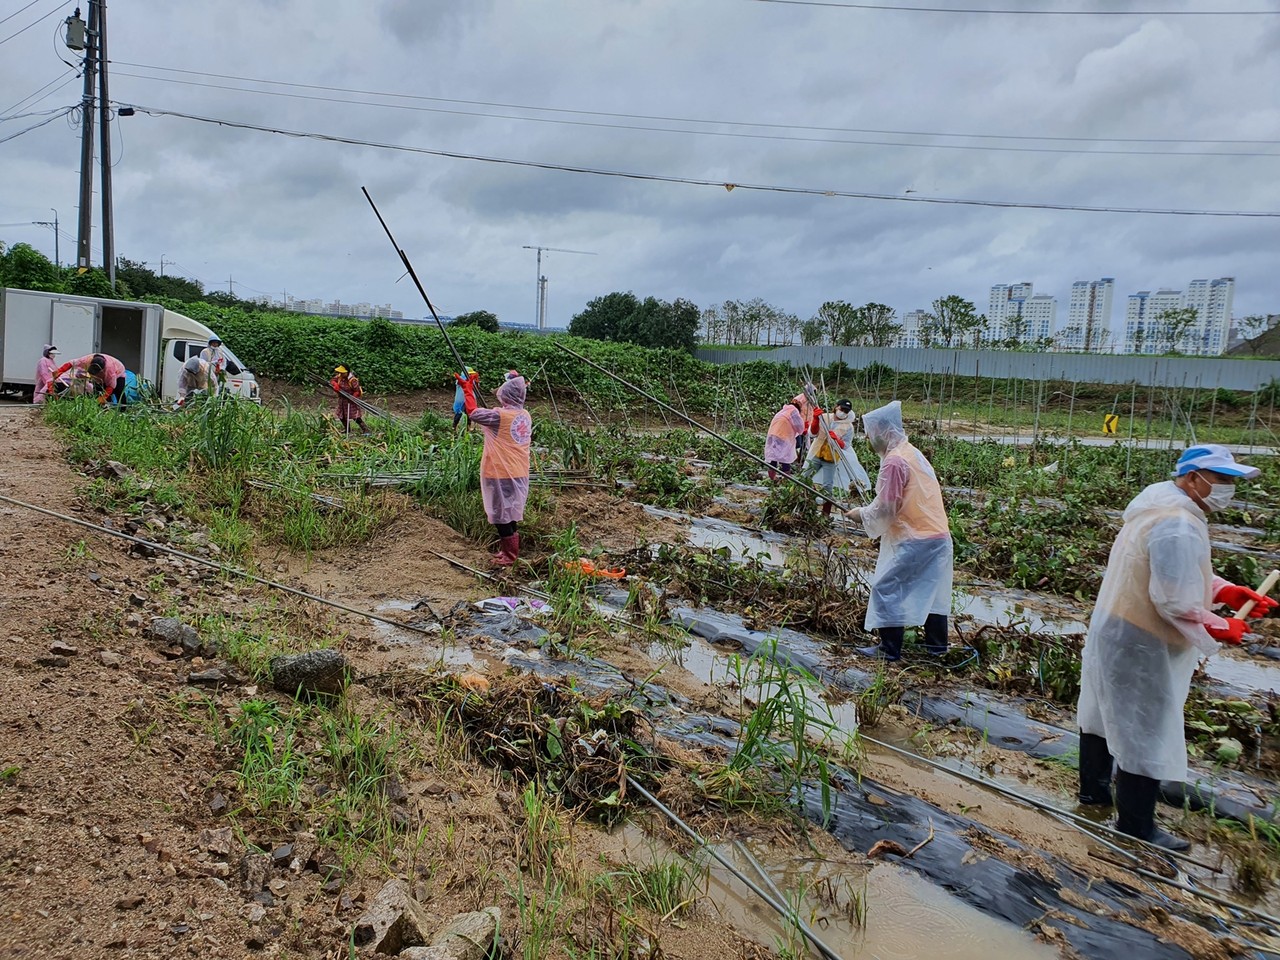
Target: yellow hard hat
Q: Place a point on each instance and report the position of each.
(340, 369)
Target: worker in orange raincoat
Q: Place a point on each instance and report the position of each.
(504, 467)
(345, 382)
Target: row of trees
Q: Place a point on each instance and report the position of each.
(650, 322)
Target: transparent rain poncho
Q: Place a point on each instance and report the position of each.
(838, 468)
(1147, 633)
(916, 564)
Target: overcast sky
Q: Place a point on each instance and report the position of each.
(282, 214)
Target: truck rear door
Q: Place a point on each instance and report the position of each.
(74, 329)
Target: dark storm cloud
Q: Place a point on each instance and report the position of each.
(278, 213)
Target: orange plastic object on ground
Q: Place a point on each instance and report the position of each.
(589, 569)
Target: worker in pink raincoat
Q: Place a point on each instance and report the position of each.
(780, 449)
(44, 373)
(504, 467)
(106, 372)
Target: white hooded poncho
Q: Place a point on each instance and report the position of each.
(1147, 633)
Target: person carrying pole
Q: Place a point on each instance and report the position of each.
(1151, 625)
(504, 465)
(459, 398)
(781, 445)
(912, 580)
(105, 372)
(831, 461)
(347, 387)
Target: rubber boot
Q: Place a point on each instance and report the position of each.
(508, 551)
(773, 474)
(1136, 811)
(826, 508)
(1096, 767)
(890, 647)
(935, 634)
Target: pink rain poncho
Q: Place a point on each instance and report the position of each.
(1147, 633)
(44, 374)
(916, 563)
(504, 467)
(112, 379)
(780, 444)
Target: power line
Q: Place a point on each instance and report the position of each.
(33, 23)
(18, 11)
(695, 181)
(33, 113)
(656, 117)
(35, 126)
(895, 8)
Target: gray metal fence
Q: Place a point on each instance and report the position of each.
(1007, 364)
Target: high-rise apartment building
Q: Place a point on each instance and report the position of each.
(1206, 335)
(1212, 300)
(912, 321)
(1088, 326)
(1040, 316)
(1143, 329)
(1005, 310)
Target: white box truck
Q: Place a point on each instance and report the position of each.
(149, 340)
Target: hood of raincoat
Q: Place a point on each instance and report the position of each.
(1161, 496)
(884, 427)
(193, 365)
(511, 393)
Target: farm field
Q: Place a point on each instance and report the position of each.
(502, 754)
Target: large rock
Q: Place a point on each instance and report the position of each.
(309, 674)
(468, 936)
(172, 632)
(393, 921)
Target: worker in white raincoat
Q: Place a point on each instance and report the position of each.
(1151, 626)
(912, 582)
(832, 461)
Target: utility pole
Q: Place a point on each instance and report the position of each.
(85, 233)
(57, 256)
(104, 118)
(162, 264)
(230, 286)
(540, 301)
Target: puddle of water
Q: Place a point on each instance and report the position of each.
(902, 914)
(426, 654)
(741, 544)
(999, 610)
(1245, 674)
(712, 665)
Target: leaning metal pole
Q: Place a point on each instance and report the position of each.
(462, 367)
(705, 429)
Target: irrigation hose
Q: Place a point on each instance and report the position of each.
(787, 914)
(222, 567)
(705, 429)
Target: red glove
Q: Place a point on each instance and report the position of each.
(815, 420)
(1232, 633)
(1235, 597)
(839, 442)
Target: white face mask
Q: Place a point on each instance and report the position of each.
(1219, 495)
(842, 414)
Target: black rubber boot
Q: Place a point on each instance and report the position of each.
(935, 634)
(1096, 767)
(890, 647)
(1136, 811)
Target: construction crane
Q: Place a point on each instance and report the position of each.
(541, 302)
